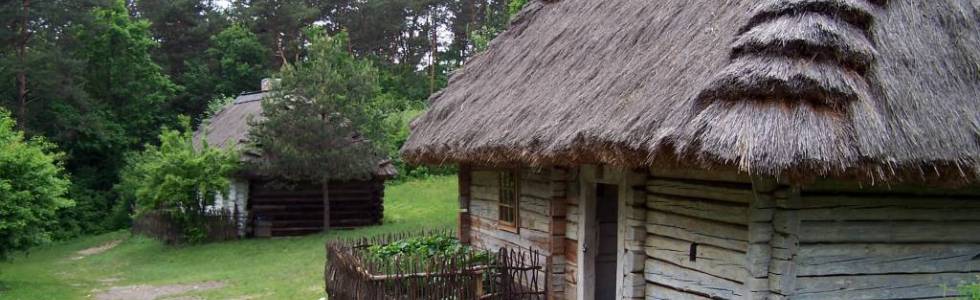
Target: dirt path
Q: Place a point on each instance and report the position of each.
(154, 292)
(96, 250)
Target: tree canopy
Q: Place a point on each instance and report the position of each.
(326, 120)
(33, 186)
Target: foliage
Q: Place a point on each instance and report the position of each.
(286, 268)
(179, 178)
(515, 6)
(121, 72)
(235, 62)
(970, 291)
(423, 246)
(326, 120)
(32, 187)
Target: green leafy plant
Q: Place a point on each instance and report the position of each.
(179, 178)
(970, 291)
(32, 188)
(425, 247)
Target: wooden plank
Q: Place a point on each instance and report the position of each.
(847, 259)
(890, 232)
(727, 174)
(660, 292)
(683, 279)
(849, 208)
(700, 231)
(728, 212)
(486, 177)
(718, 262)
(895, 286)
(484, 209)
(697, 189)
(485, 193)
(534, 188)
(838, 186)
(534, 204)
(534, 220)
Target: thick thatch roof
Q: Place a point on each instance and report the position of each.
(817, 86)
(229, 127)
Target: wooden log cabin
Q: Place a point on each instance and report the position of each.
(270, 207)
(744, 149)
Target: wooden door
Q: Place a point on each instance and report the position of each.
(607, 216)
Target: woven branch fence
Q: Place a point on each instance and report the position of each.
(506, 274)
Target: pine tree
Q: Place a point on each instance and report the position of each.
(325, 121)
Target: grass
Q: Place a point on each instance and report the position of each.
(282, 268)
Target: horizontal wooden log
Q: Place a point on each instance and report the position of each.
(696, 189)
(847, 259)
(485, 193)
(890, 232)
(726, 175)
(486, 229)
(898, 286)
(660, 292)
(683, 279)
(838, 186)
(719, 262)
(538, 189)
(484, 209)
(728, 212)
(533, 204)
(485, 177)
(722, 235)
(849, 208)
(534, 220)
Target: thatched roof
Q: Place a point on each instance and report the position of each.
(229, 127)
(821, 87)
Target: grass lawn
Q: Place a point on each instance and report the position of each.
(282, 268)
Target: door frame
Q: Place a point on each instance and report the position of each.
(589, 177)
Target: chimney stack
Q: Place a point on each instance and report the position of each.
(269, 83)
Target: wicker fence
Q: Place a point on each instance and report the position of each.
(219, 225)
(505, 274)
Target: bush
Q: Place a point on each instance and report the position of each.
(33, 185)
(178, 178)
(425, 247)
(971, 291)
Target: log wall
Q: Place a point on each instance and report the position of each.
(902, 242)
(542, 212)
(697, 226)
(298, 209)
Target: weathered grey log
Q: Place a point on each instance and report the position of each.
(683, 279)
(849, 259)
(890, 232)
(721, 211)
(700, 190)
(725, 175)
(660, 292)
(718, 262)
(896, 286)
(722, 235)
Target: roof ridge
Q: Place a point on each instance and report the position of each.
(815, 51)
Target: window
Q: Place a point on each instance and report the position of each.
(508, 201)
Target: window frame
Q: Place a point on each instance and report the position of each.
(514, 191)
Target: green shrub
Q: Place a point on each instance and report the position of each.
(970, 291)
(33, 185)
(178, 178)
(424, 247)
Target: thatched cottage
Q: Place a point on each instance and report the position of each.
(266, 206)
(741, 149)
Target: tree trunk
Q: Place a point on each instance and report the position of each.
(326, 206)
(23, 37)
